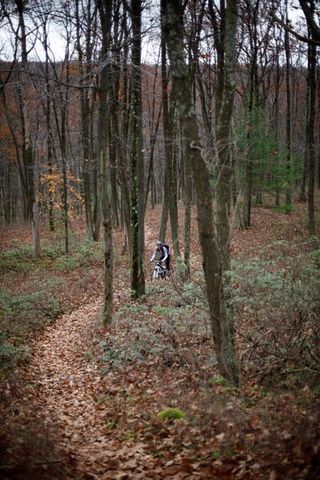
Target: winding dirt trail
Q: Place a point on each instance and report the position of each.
(67, 389)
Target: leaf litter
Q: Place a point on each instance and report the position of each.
(102, 420)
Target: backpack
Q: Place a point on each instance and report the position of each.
(165, 245)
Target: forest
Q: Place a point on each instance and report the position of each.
(136, 128)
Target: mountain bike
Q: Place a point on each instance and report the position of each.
(160, 271)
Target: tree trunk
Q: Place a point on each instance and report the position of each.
(170, 184)
(90, 160)
(212, 261)
(105, 11)
(253, 102)
(137, 161)
(165, 209)
(174, 202)
(187, 207)
(108, 244)
(312, 62)
(47, 112)
(154, 123)
(27, 153)
(224, 141)
(288, 122)
(276, 111)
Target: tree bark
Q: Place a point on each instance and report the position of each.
(312, 62)
(137, 161)
(288, 122)
(90, 160)
(170, 184)
(105, 11)
(27, 153)
(165, 208)
(212, 260)
(187, 211)
(224, 140)
(252, 104)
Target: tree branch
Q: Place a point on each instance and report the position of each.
(315, 29)
(292, 31)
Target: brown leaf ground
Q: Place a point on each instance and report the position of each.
(68, 416)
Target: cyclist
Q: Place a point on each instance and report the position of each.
(161, 254)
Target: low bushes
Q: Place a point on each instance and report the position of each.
(35, 291)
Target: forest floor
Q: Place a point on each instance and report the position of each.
(85, 404)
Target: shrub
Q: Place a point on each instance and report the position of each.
(28, 308)
(277, 304)
(172, 414)
(51, 251)
(164, 335)
(19, 259)
(21, 315)
(84, 254)
(10, 355)
(316, 258)
(44, 296)
(66, 263)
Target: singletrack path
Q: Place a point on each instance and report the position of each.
(66, 389)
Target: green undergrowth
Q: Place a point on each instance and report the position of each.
(285, 208)
(164, 330)
(21, 258)
(85, 254)
(275, 302)
(35, 291)
(23, 314)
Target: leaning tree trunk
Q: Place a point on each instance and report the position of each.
(212, 260)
